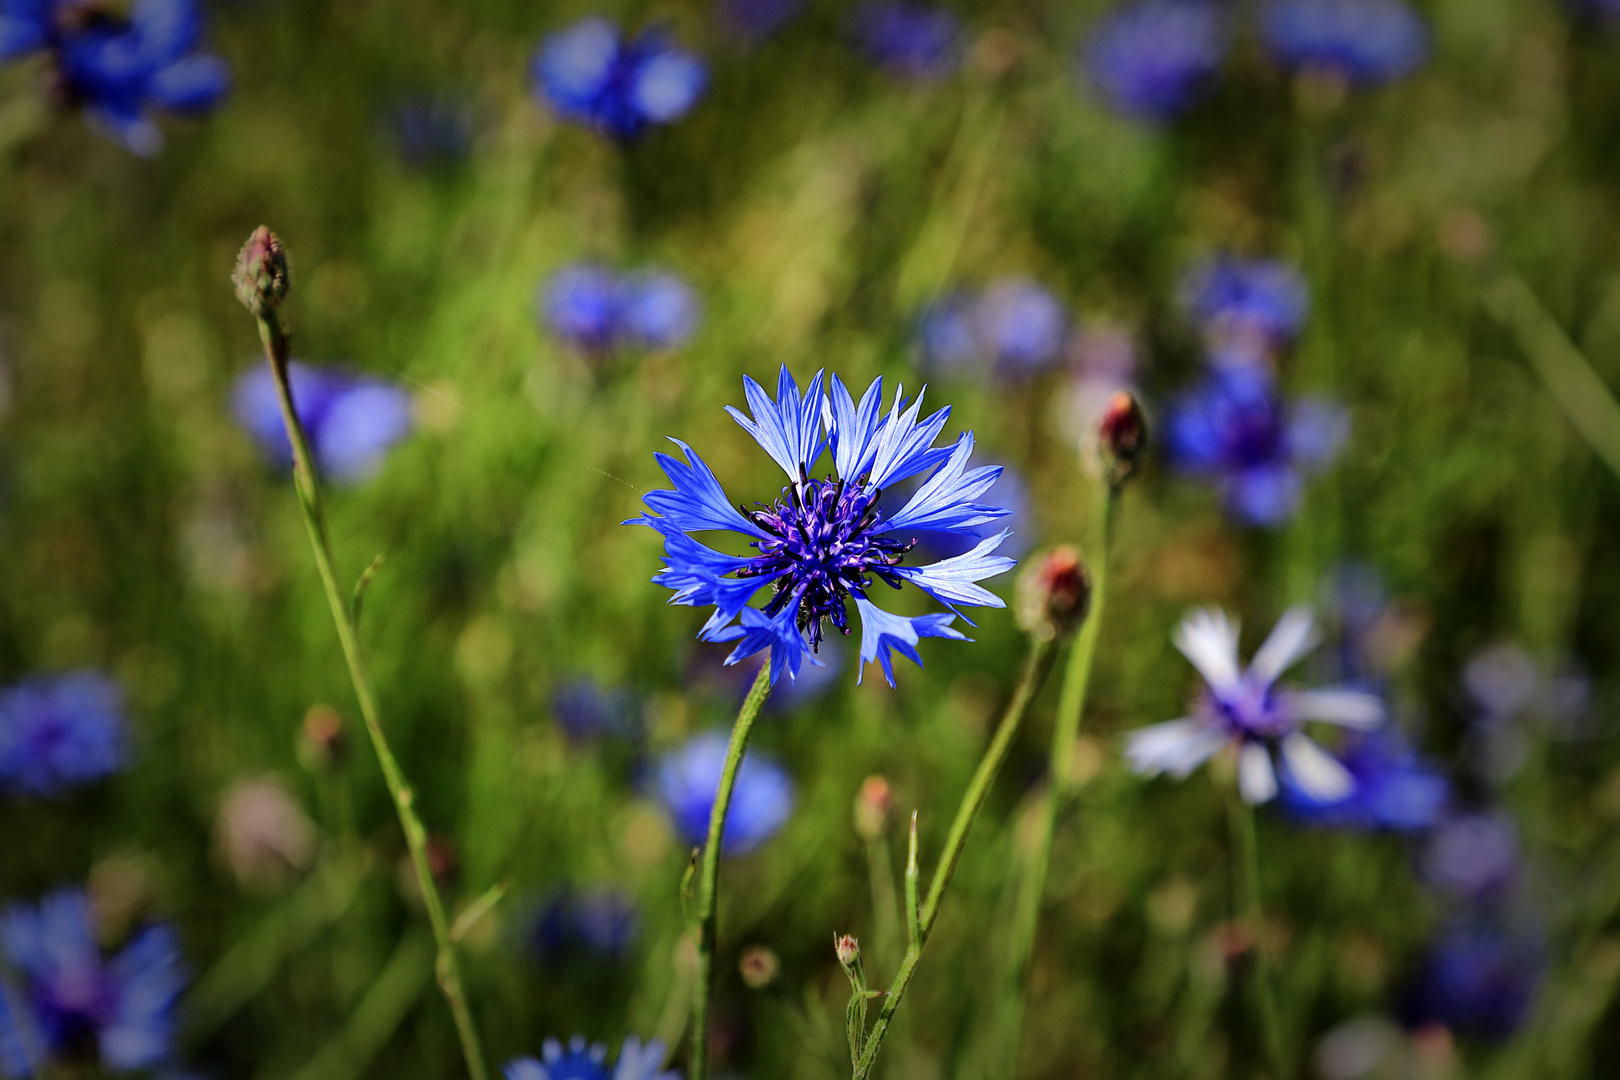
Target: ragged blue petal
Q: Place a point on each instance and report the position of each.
(760, 631)
(697, 503)
(853, 430)
(882, 631)
(194, 84)
(945, 501)
(951, 581)
(905, 447)
(789, 428)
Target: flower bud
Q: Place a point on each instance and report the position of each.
(759, 967)
(263, 837)
(1054, 594)
(261, 272)
(872, 807)
(1121, 437)
(322, 740)
(849, 952)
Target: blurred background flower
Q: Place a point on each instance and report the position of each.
(597, 310)
(910, 40)
(1153, 59)
(58, 732)
(591, 74)
(351, 420)
(761, 804)
(1364, 42)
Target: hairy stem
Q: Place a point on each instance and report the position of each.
(706, 917)
(309, 503)
(1259, 970)
(1036, 666)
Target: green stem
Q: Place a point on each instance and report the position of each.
(1036, 666)
(706, 917)
(1065, 733)
(1259, 976)
(309, 503)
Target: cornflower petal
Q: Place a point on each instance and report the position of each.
(945, 502)
(760, 631)
(1317, 772)
(150, 977)
(882, 631)
(1257, 780)
(789, 428)
(697, 503)
(1332, 705)
(951, 581)
(1176, 747)
(1292, 637)
(905, 447)
(1210, 640)
(853, 430)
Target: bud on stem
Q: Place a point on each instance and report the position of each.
(1053, 594)
(1121, 437)
(261, 273)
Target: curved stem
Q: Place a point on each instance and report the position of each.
(706, 918)
(1259, 975)
(309, 503)
(1036, 666)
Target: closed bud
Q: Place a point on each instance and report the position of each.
(261, 272)
(759, 967)
(872, 807)
(1121, 437)
(1054, 594)
(849, 952)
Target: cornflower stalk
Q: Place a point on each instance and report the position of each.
(920, 919)
(261, 282)
(705, 917)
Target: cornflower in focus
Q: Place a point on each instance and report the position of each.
(119, 69)
(1364, 42)
(760, 805)
(1235, 428)
(1247, 708)
(824, 541)
(911, 41)
(596, 310)
(352, 420)
(1246, 308)
(62, 998)
(1014, 327)
(1393, 789)
(1154, 58)
(591, 74)
(60, 731)
(588, 1061)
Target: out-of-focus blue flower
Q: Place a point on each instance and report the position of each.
(60, 731)
(1247, 708)
(1602, 9)
(67, 996)
(1246, 306)
(1235, 428)
(1014, 327)
(1392, 789)
(760, 804)
(913, 41)
(1479, 978)
(602, 921)
(946, 336)
(597, 310)
(756, 20)
(588, 1061)
(590, 74)
(824, 541)
(351, 420)
(1517, 697)
(585, 711)
(432, 131)
(1366, 42)
(580, 303)
(659, 310)
(1474, 856)
(1154, 58)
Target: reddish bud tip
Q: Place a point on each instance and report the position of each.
(848, 950)
(872, 807)
(759, 967)
(1121, 437)
(1054, 594)
(261, 272)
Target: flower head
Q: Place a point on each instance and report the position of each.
(1479, 977)
(1014, 327)
(68, 995)
(588, 1061)
(823, 542)
(430, 131)
(1247, 307)
(1246, 707)
(911, 41)
(602, 921)
(57, 732)
(597, 310)
(1235, 428)
(1393, 789)
(1365, 42)
(585, 711)
(591, 74)
(352, 421)
(760, 804)
(1154, 58)
(1473, 856)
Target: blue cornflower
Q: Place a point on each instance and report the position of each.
(1247, 307)
(597, 310)
(600, 920)
(658, 310)
(582, 1061)
(120, 69)
(756, 20)
(1153, 59)
(590, 74)
(1473, 856)
(584, 710)
(915, 42)
(59, 994)
(1014, 327)
(947, 340)
(57, 732)
(760, 805)
(432, 131)
(1392, 790)
(1479, 977)
(1235, 427)
(1246, 707)
(580, 303)
(1602, 9)
(1365, 42)
(824, 541)
(352, 421)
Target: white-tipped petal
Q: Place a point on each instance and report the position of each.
(1210, 640)
(1292, 637)
(1347, 708)
(1317, 772)
(1177, 747)
(1257, 780)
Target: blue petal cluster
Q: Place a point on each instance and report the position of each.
(585, 710)
(68, 997)
(591, 74)
(1013, 328)
(352, 421)
(1393, 790)
(597, 310)
(1366, 42)
(580, 1060)
(911, 41)
(602, 921)
(120, 69)
(1235, 428)
(1246, 307)
(761, 803)
(1155, 58)
(432, 131)
(57, 732)
(824, 541)
(1479, 977)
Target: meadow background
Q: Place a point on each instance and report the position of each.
(815, 202)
